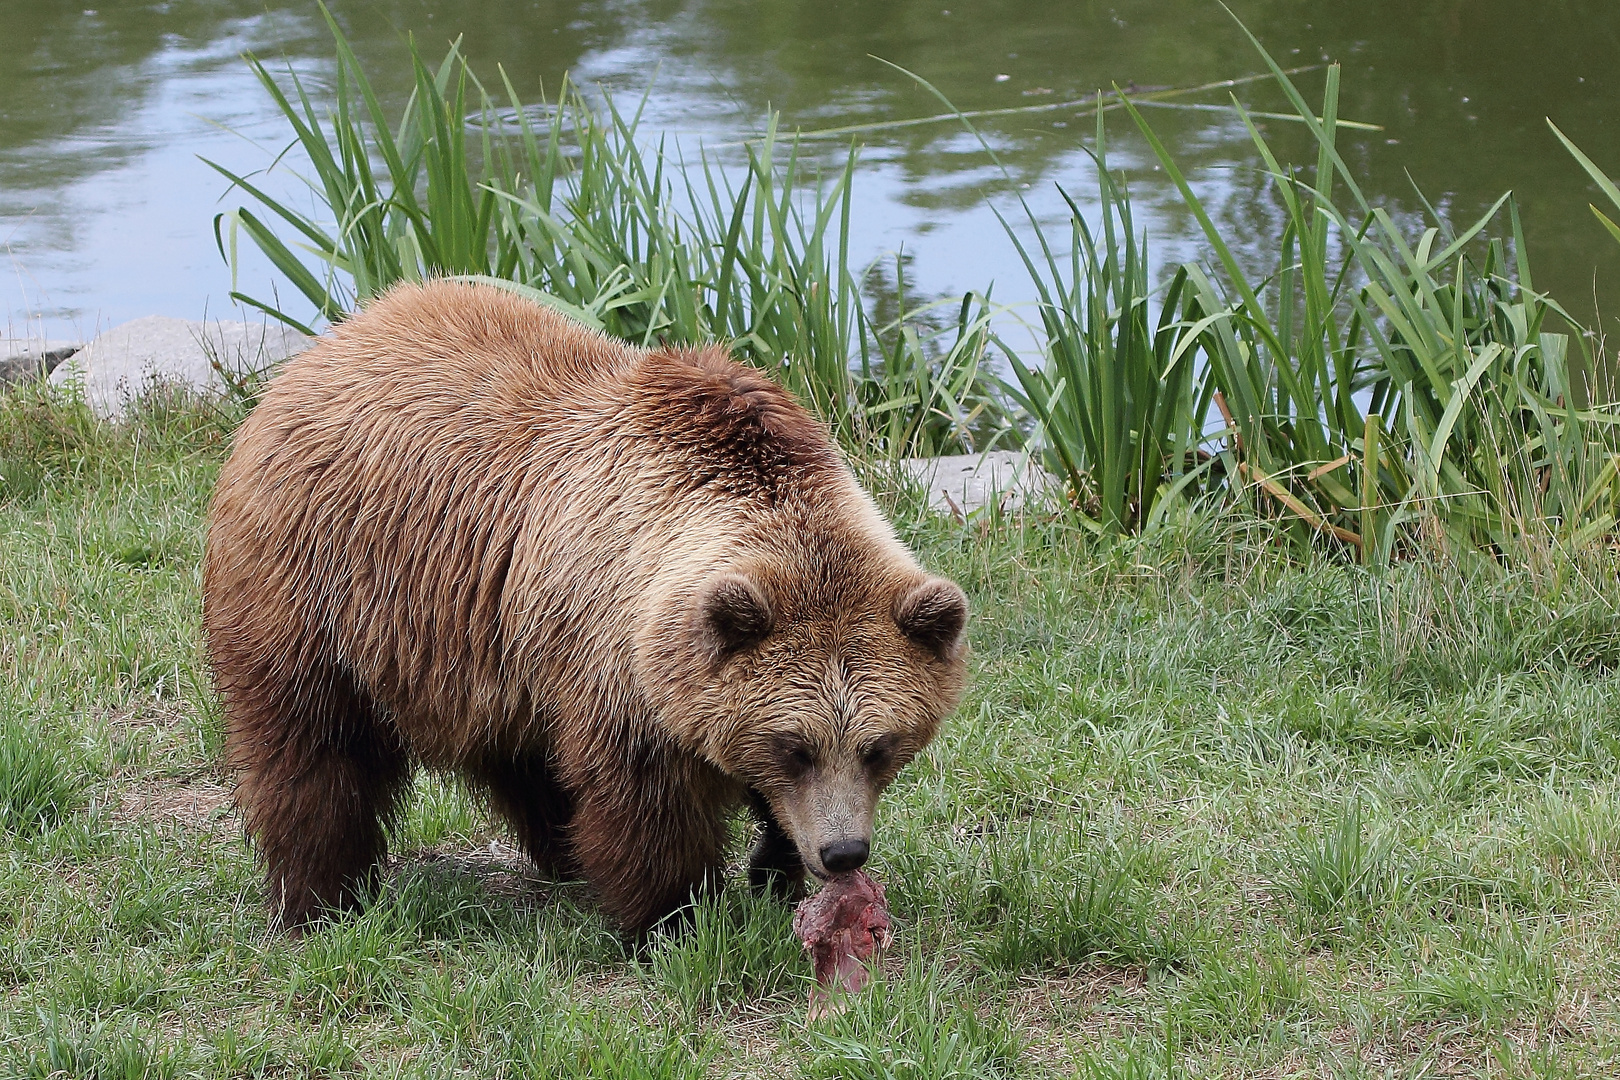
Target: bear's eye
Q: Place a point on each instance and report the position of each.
(878, 755)
(796, 758)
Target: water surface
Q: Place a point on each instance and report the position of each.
(106, 210)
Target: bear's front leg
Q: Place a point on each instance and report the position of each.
(774, 866)
(647, 846)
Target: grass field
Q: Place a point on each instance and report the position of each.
(1209, 810)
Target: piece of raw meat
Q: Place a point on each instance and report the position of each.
(842, 927)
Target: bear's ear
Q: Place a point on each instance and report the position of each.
(933, 615)
(733, 614)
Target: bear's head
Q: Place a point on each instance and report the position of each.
(813, 674)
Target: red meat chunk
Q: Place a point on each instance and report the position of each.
(842, 927)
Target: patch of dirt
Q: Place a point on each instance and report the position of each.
(1453, 1048)
(753, 1034)
(498, 867)
(199, 803)
(1059, 1013)
(149, 716)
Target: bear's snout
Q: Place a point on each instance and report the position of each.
(842, 856)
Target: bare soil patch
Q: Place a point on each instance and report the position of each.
(199, 803)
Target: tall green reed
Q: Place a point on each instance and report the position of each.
(1373, 386)
(1382, 387)
(759, 264)
(1380, 384)
(1118, 400)
(581, 213)
(926, 379)
(1610, 190)
(424, 213)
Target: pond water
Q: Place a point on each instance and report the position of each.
(106, 210)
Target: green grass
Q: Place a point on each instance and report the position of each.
(1211, 808)
(40, 781)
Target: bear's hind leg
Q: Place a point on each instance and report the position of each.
(321, 778)
(525, 793)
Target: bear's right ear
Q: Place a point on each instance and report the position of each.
(733, 614)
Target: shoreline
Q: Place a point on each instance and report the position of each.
(115, 366)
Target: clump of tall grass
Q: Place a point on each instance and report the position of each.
(919, 1025)
(40, 782)
(39, 432)
(1387, 381)
(735, 949)
(1340, 879)
(579, 213)
(1118, 399)
(1374, 387)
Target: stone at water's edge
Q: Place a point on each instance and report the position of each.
(963, 483)
(25, 358)
(118, 365)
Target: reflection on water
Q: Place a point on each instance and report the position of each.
(106, 210)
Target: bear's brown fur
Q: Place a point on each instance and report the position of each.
(621, 590)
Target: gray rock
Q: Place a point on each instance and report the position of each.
(121, 364)
(964, 483)
(22, 359)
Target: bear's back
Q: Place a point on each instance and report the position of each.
(453, 370)
(449, 350)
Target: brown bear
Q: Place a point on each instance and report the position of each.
(623, 591)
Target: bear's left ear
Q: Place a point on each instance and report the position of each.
(933, 614)
(733, 615)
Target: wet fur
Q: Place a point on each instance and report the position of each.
(465, 532)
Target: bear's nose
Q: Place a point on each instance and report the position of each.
(842, 856)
